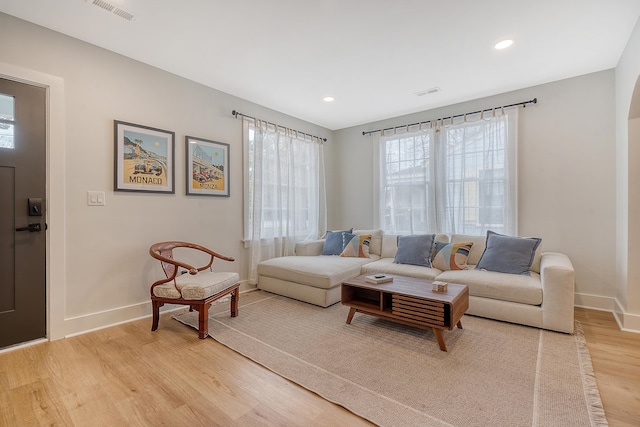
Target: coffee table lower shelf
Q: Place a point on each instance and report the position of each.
(408, 301)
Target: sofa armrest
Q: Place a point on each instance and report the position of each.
(310, 247)
(558, 284)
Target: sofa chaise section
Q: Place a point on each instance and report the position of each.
(313, 279)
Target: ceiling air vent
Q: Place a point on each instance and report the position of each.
(110, 7)
(123, 14)
(427, 91)
(103, 4)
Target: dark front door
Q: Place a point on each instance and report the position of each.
(22, 215)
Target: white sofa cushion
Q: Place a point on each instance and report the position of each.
(501, 286)
(386, 265)
(309, 247)
(389, 246)
(322, 271)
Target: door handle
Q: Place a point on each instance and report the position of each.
(32, 228)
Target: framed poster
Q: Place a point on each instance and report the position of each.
(144, 158)
(207, 167)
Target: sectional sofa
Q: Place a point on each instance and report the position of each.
(543, 298)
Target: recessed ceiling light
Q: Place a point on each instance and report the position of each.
(503, 44)
(328, 99)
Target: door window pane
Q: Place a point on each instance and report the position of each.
(7, 121)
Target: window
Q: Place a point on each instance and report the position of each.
(407, 184)
(7, 121)
(284, 190)
(454, 179)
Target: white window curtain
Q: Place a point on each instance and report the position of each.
(284, 191)
(406, 185)
(453, 177)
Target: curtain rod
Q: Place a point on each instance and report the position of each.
(237, 113)
(523, 103)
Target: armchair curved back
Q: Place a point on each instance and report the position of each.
(163, 252)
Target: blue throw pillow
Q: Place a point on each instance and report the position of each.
(415, 250)
(333, 244)
(507, 254)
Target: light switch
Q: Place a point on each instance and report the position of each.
(95, 198)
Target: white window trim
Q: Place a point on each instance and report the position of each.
(377, 148)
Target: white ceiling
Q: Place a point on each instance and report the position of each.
(371, 55)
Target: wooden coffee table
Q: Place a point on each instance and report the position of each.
(410, 301)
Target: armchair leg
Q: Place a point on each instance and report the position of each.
(155, 307)
(203, 320)
(234, 302)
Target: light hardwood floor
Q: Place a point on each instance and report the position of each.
(615, 356)
(127, 375)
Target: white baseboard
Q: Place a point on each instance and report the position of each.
(626, 321)
(594, 302)
(105, 319)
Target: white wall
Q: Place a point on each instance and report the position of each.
(566, 182)
(100, 268)
(106, 270)
(628, 187)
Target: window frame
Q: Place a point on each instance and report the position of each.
(471, 189)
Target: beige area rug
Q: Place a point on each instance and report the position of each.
(494, 374)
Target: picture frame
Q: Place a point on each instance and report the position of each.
(144, 158)
(207, 171)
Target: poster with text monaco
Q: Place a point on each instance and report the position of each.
(207, 167)
(144, 158)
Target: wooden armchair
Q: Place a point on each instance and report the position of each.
(198, 289)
